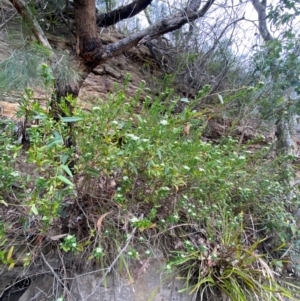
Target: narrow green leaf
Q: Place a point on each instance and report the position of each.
(149, 164)
(139, 118)
(133, 167)
(64, 158)
(92, 171)
(65, 180)
(57, 134)
(205, 280)
(40, 116)
(71, 119)
(55, 141)
(158, 153)
(293, 229)
(3, 242)
(67, 170)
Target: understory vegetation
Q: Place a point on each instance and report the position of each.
(200, 164)
(141, 177)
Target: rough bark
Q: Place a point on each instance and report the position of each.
(121, 13)
(87, 37)
(88, 43)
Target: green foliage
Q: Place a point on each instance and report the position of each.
(69, 244)
(9, 150)
(48, 153)
(27, 67)
(149, 170)
(150, 145)
(98, 252)
(284, 12)
(277, 64)
(280, 58)
(47, 76)
(186, 180)
(21, 69)
(236, 270)
(144, 173)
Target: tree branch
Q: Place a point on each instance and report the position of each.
(25, 12)
(161, 27)
(260, 7)
(121, 13)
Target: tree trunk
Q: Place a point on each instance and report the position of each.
(88, 42)
(260, 7)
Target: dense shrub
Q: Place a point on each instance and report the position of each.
(144, 174)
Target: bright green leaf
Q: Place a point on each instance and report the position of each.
(71, 119)
(67, 170)
(65, 180)
(92, 171)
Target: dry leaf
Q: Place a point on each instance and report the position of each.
(152, 226)
(39, 239)
(179, 245)
(113, 183)
(99, 222)
(11, 266)
(10, 252)
(209, 262)
(187, 128)
(58, 237)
